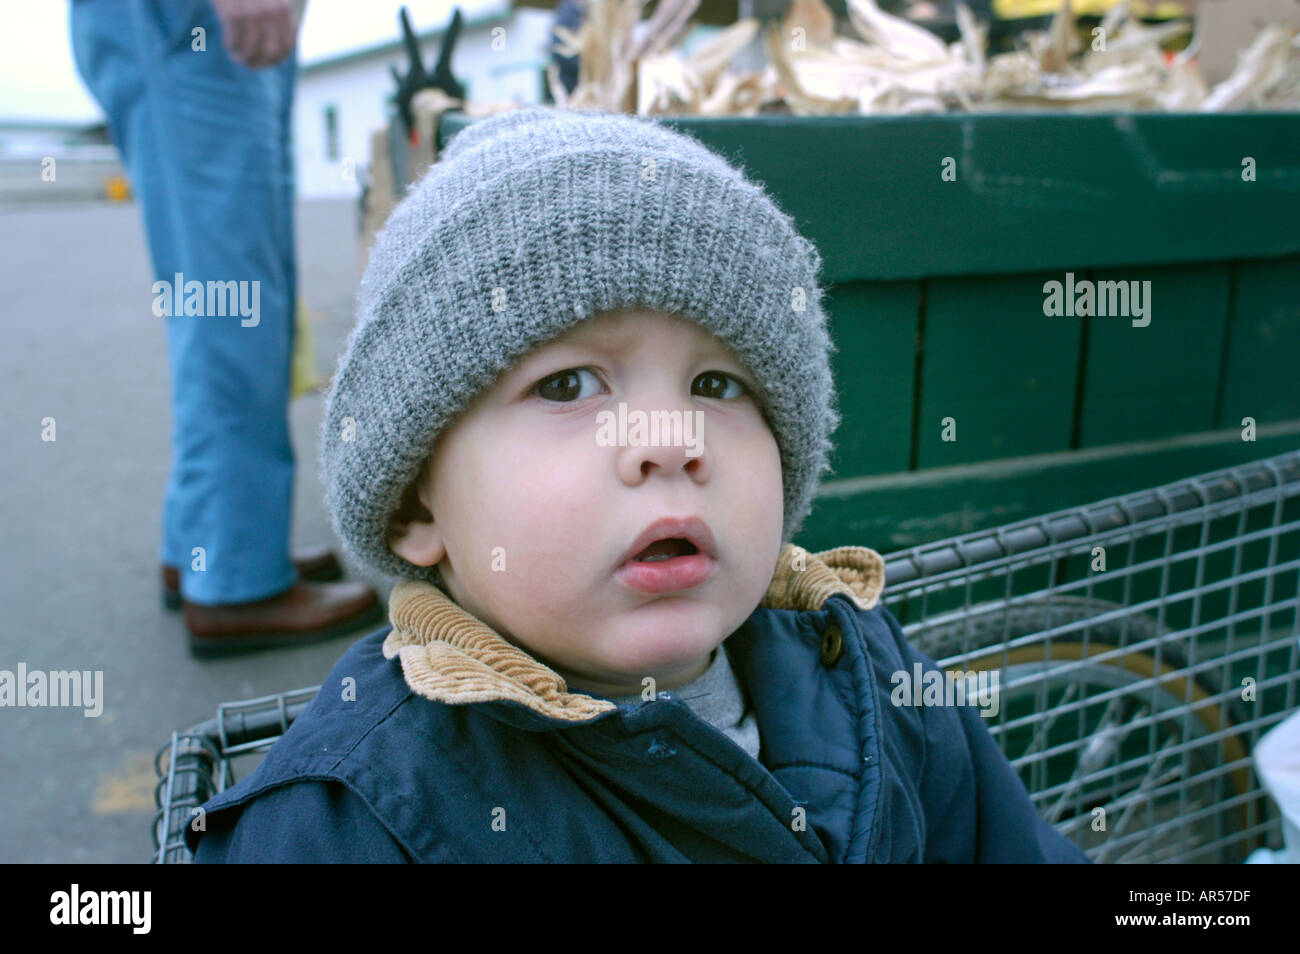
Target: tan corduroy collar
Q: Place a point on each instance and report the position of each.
(451, 656)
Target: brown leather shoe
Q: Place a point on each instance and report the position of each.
(305, 613)
(318, 564)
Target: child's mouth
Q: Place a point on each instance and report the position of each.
(666, 550)
(667, 566)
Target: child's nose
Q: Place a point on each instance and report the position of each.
(666, 459)
(663, 442)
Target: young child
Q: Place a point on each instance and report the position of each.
(603, 647)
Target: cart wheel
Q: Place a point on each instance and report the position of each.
(1152, 746)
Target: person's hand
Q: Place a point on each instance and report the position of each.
(258, 32)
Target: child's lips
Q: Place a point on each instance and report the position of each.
(690, 528)
(667, 576)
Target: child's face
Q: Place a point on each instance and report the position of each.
(533, 508)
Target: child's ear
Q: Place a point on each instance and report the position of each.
(412, 533)
(421, 544)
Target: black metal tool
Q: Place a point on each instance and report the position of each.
(416, 78)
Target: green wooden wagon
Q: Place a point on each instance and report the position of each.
(964, 405)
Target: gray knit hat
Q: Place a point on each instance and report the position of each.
(532, 221)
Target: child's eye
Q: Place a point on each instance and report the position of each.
(562, 387)
(566, 387)
(717, 381)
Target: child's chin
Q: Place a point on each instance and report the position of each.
(664, 656)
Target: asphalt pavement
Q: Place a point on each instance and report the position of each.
(80, 521)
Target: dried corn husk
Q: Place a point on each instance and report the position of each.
(741, 94)
(1184, 90)
(974, 39)
(890, 65)
(713, 57)
(808, 23)
(894, 35)
(899, 67)
(1126, 70)
(808, 91)
(1267, 75)
(664, 84)
(1055, 48)
(606, 72)
(697, 84)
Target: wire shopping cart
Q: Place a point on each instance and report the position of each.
(1141, 646)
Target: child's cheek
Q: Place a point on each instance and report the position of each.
(543, 500)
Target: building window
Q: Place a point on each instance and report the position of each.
(331, 134)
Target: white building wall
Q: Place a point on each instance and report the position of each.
(358, 90)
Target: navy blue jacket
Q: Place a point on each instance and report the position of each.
(374, 770)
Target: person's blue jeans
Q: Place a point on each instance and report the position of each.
(205, 142)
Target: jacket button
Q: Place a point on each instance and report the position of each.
(659, 749)
(832, 645)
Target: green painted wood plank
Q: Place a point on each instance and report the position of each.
(902, 510)
(873, 324)
(1033, 191)
(1263, 376)
(1160, 378)
(998, 367)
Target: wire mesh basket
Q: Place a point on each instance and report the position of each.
(1139, 647)
(198, 763)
